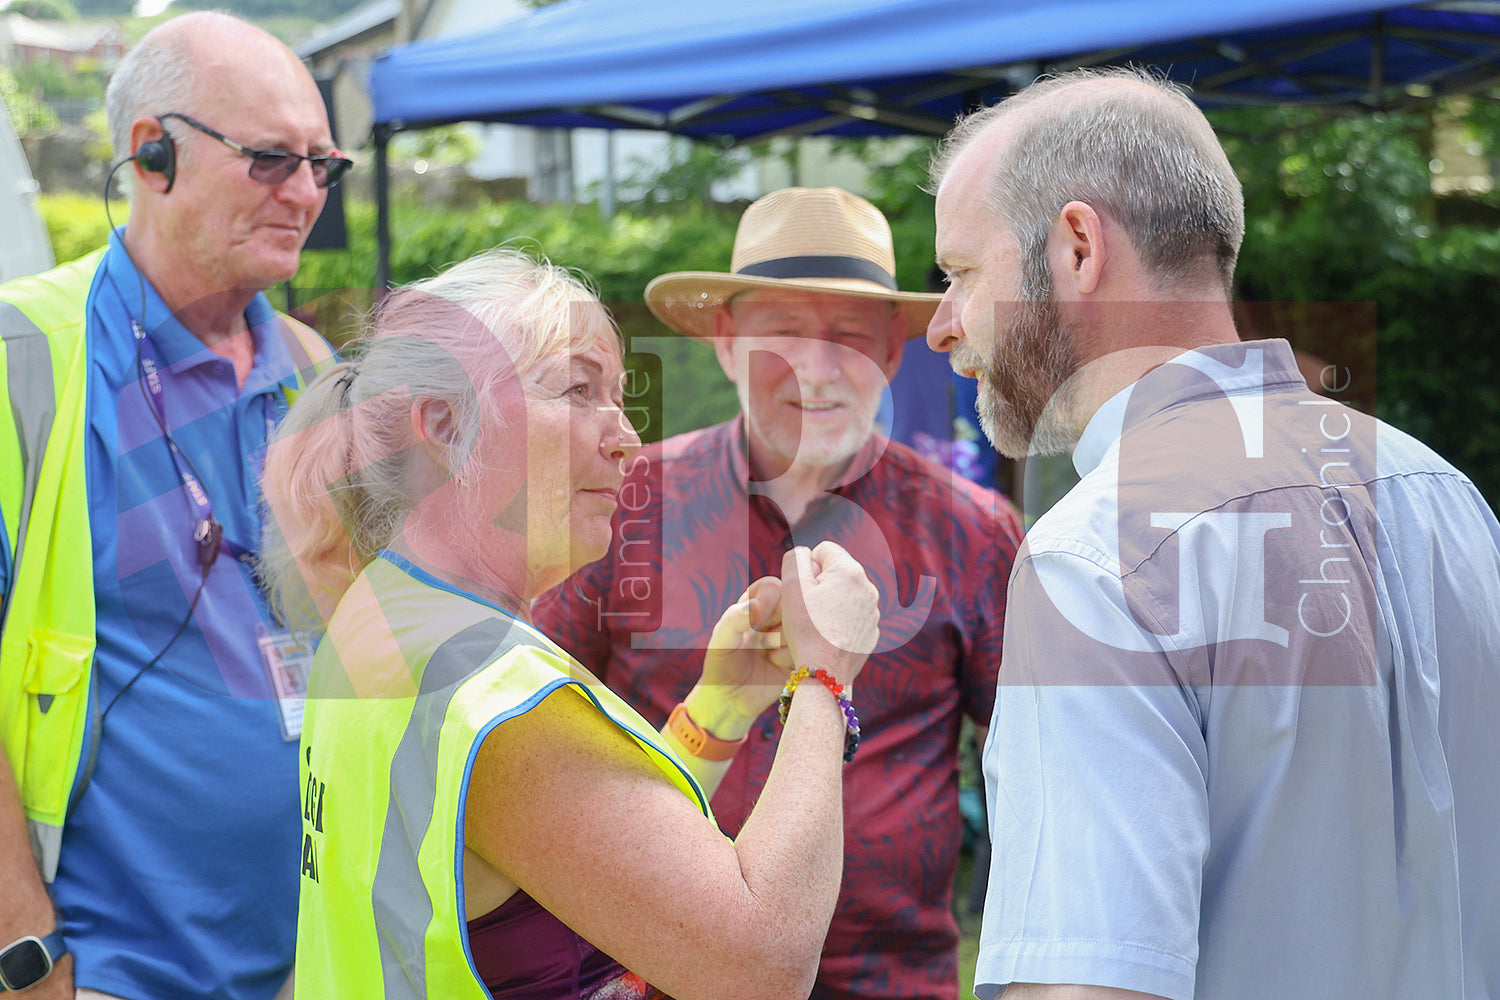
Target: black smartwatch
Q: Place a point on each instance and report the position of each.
(26, 962)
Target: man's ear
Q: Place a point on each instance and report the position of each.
(1077, 249)
(147, 129)
(724, 331)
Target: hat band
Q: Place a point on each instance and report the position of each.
(820, 266)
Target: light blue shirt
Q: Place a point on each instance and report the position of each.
(1245, 738)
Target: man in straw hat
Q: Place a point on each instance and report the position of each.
(809, 326)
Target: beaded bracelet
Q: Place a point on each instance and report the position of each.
(851, 721)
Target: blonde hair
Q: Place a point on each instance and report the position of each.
(338, 480)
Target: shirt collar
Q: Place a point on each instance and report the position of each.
(1104, 428)
(273, 362)
(177, 346)
(1236, 369)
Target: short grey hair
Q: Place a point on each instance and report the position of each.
(155, 77)
(1146, 157)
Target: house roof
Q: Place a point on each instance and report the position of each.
(362, 22)
(61, 36)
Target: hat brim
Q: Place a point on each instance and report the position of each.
(686, 300)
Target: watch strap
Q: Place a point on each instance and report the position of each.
(53, 947)
(698, 741)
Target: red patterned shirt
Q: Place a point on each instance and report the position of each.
(690, 535)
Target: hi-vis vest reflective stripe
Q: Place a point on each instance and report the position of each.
(47, 636)
(407, 683)
(47, 642)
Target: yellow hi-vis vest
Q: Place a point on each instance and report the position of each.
(47, 635)
(409, 679)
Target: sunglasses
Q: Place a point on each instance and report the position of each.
(274, 166)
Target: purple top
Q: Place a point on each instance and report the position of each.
(523, 952)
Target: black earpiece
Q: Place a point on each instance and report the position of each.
(160, 157)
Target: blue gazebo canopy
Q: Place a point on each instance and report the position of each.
(707, 69)
(743, 72)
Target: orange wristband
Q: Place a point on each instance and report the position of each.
(700, 742)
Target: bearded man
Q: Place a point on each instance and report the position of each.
(1244, 737)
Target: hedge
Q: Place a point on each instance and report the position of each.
(1426, 340)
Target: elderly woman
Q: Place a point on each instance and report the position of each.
(481, 816)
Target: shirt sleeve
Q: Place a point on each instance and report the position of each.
(1095, 771)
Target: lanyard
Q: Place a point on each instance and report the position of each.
(208, 534)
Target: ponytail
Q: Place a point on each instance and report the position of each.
(307, 559)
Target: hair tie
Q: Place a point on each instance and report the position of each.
(346, 382)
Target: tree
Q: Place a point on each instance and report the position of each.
(52, 79)
(44, 10)
(28, 116)
(440, 146)
(688, 176)
(258, 10)
(1340, 209)
(104, 8)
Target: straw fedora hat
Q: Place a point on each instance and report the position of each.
(816, 239)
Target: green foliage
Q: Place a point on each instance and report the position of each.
(53, 79)
(1481, 122)
(899, 192)
(44, 10)
(689, 175)
(100, 147)
(104, 8)
(1438, 369)
(333, 287)
(619, 257)
(28, 116)
(317, 11)
(1304, 168)
(77, 223)
(446, 144)
(897, 188)
(1339, 209)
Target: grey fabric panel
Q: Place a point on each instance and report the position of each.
(401, 906)
(33, 403)
(33, 406)
(46, 847)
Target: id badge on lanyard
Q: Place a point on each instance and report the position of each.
(288, 662)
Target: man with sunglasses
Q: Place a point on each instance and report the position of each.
(149, 813)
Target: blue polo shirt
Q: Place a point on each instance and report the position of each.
(178, 873)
